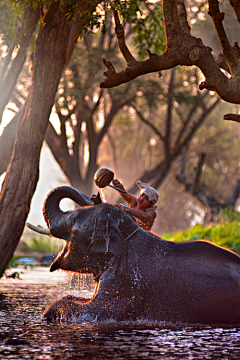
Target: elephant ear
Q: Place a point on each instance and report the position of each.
(106, 223)
(108, 242)
(101, 228)
(103, 246)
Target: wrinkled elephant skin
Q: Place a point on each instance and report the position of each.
(137, 274)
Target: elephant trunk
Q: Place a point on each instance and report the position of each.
(52, 213)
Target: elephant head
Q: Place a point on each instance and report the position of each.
(94, 234)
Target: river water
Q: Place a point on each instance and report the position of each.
(24, 336)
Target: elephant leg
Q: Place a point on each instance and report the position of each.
(61, 310)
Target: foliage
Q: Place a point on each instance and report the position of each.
(9, 20)
(41, 245)
(148, 29)
(226, 233)
(12, 264)
(143, 16)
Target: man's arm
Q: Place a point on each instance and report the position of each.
(129, 198)
(148, 216)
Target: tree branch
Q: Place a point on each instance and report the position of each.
(235, 196)
(196, 181)
(182, 15)
(236, 8)
(149, 123)
(191, 113)
(6, 61)
(168, 121)
(119, 31)
(198, 123)
(62, 119)
(77, 26)
(182, 49)
(185, 124)
(171, 27)
(96, 104)
(233, 117)
(180, 114)
(77, 133)
(114, 109)
(228, 51)
(200, 191)
(221, 61)
(181, 177)
(58, 147)
(153, 64)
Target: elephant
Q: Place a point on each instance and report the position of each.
(138, 275)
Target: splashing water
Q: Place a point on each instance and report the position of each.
(81, 285)
(103, 196)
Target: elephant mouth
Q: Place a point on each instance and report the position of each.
(58, 263)
(55, 265)
(65, 261)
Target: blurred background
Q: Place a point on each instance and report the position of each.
(156, 128)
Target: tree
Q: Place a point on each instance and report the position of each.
(50, 56)
(222, 72)
(80, 105)
(174, 127)
(17, 44)
(200, 190)
(84, 111)
(79, 86)
(16, 40)
(48, 63)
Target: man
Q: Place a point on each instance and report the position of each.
(141, 207)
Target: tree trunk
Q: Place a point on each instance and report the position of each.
(9, 76)
(7, 140)
(23, 172)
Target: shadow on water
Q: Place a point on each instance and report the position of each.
(24, 336)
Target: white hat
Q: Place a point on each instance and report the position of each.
(149, 191)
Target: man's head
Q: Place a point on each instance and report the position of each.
(150, 192)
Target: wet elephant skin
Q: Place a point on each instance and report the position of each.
(139, 275)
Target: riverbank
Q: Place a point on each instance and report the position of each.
(225, 232)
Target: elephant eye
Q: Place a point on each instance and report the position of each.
(71, 221)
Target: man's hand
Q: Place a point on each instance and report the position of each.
(122, 207)
(118, 184)
(129, 198)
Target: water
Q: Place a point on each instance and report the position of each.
(24, 336)
(102, 194)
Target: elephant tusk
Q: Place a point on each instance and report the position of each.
(39, 229)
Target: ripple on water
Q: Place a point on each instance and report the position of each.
(24, 336)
